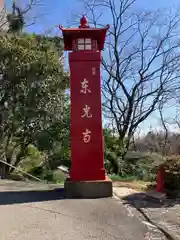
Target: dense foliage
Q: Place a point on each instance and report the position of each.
(34, 107)
(172, 174)
(142, 166)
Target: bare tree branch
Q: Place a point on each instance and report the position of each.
(141, 65)
(165, 128)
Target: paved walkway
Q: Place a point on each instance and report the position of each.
(31, 211)
(165, 216)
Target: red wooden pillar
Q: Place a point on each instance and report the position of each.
(87, 149)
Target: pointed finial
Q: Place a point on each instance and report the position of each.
(84, 22)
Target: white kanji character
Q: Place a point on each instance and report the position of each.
(87, 136)
(84, 86)
(94, 71)
(86, 111)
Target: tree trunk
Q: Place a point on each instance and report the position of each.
(4, 171)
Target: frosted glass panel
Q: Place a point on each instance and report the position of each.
(80, 47)
(81, 41)
(88, 47)
(88, 41)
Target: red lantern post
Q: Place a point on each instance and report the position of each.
(160, 187)
(87, 150)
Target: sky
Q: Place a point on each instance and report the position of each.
(54, 12)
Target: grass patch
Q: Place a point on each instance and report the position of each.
(114, 177)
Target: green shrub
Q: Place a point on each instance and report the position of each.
(172, 177)
(41, 173)
(33, 158)
(47, 175)
(58, 176)
(142, 166)
(137, 165)
(36, 171)
(55, 176)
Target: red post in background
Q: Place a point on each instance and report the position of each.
(87, 151)
(160, 187)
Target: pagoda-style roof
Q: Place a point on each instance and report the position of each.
(84, 31)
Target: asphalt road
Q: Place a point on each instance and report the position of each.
(32, 211)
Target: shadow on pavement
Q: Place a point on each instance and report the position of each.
(141, 200)
(29, 196)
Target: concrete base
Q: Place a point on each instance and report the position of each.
(88, 189)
